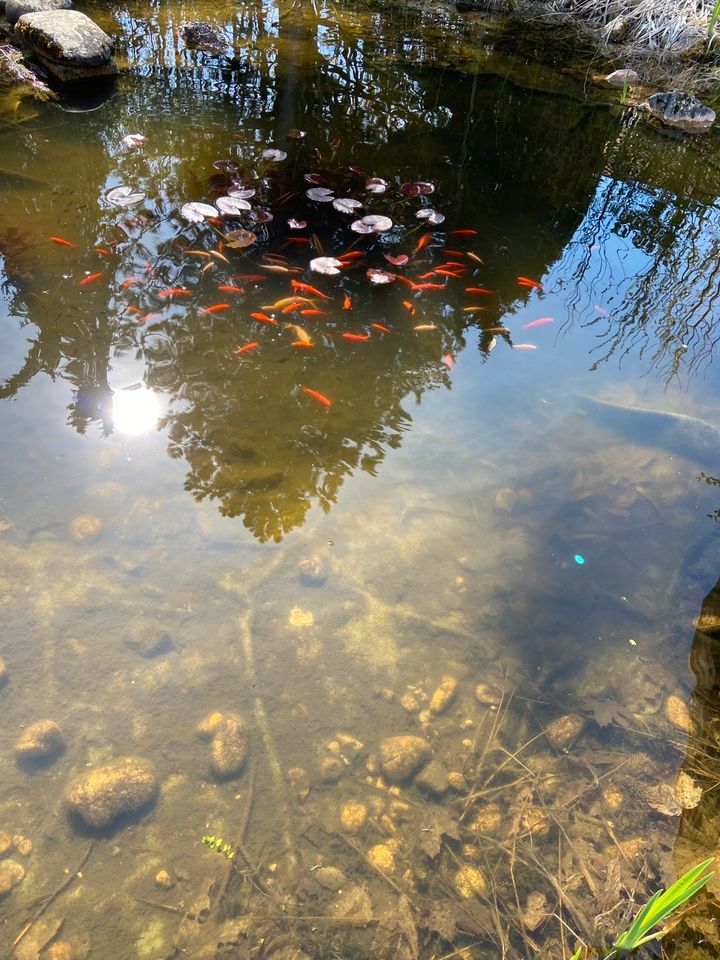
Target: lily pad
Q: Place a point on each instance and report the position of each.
(376, 185)
(397, 261)
(417, 188)
(232, 206)
(297, 224)
(133, 140)
(380, 276)
(238, 239)
(432, 216)
(241, 193)
(196, 212)
(274, 155)
(327, 265)
(372, 223)
(320, 194)
(124, 196)
(346, 204)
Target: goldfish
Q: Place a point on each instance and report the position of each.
(474, 256)
(347, 303)
(409, 307)
(103, 251)
(63, 242)
(90, 278)
(174, 292)
(527, 282)
(247, 346)
(129, 281)
(452, 253)
(356, 336)
(320, 397)
(302, 335)
(351, 255)
(448, 273)
(198, 253)
(230, 288)
(496, 330)
(296, 285)
(478, 290)
(132, 309)
(601, 310)
(311, 312)
(275, 267)
(215, 308)
(473, 309)
(219, 256)
(379, 326)
(146, 317)
(429, 286)
(297, 240)
(256, 315)
(254, 277)
(464, 233)
(425, 326)
(302, 343)
(424, 276)
(541, 321)
(423, 241)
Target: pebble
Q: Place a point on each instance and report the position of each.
(487, 694)
(486, 819)
(382, 856)
(433, 779)
(23, 845)
(330, 878)
(313, 571)
(85, 527)
(469, 881)
(6, 843)
(349, 746)
(11, 873)
(40, 740)
(456, 781)
(299, 782)
(163, 880)
(229, 747)
(612, 797)
(122, 786)
(208, 726)
(676, 711)
(301, 618)
(563, 731)
(401, 757)
(353, 817)
(409, 703)
(331, 769)
(60, 950)
(443, 696)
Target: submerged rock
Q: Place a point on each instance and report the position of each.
(85, 527)
(313, 571)
(11, 873)
(14, 9)
(68, 43)
(433, 779)
(401, 757)
(490, 6)
(202, 36)
(123, 786)
(6, 843)
(148, 641)
(444, 695)
(679, 111)
(229, 748)
(41, 740)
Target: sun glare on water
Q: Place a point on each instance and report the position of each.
(135, 411)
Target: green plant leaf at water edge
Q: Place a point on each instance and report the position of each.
(661, 905)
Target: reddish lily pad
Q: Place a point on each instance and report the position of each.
(376, 185)
(399, 261)
(417, 188)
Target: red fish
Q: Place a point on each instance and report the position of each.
(302, 343)
(129, 281)
(601, 310)
(173, 292)
(247, 346)
(91, 277)
(316, 395)
(409, 307)
(351, 255)
(347, 303)
(541, 321)
(296, 240)
(527, 282)
(230, 288)
(429, 286)
(448, 273)
(63, 242)
(474, 256)
(379, 326)
(464, 233)
(423, 241)
(313, 313)
(448, 360)
(254, 277)
(452, 253)
(263, 317)
(146, 317)
(102, 250)
(356, 336)
(215, 308)
(296, 285)
(478, 290)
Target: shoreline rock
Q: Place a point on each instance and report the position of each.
(69, 44)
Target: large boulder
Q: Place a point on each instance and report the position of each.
(123, 786)
(14, 9)
(67, 43)
(680, 111)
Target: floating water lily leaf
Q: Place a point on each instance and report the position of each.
(229, 166)
(242, 193)
(432, 216)
(346, 204)
(237, 239)
(296, 134)
(417, 188)
(376, 185)
(374, 221)
(320, 194)
(314, 178)
(232, 206)
(274, 155)
(297, 224)
(399, 261)
(326, 265)
(196, 212)
(133, 140)
(380, 276)
(124, 196)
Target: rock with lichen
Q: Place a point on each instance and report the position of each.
(123, 786)
(679, 111)
(229, 747)
(41, 740)
(11, 873)
(401, 757)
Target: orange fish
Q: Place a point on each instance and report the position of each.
(379, 326)
(424, 276)
(301, 334)
(409, 307)
(254, 277)
(296, 240)
(91, 278)
(541, 321)
(133, 310)
(129, 281)
(63, 242)
(478, 290)
(248, 346)
(425, 326)
(474, 256)
(302, 343)
(429, 286)
(263, 317)
(215, 308)
(313, 313)
(452, 253)
(230, 288)
(356, 336)
(351, 255)
(275, 267)
(347, 303)
(474, 309)
(448, 360)
(464, 233)
(423, 241)
(527, 282)
(174, 292)
(146, 317)
(296, 285)
(102, 250)
(320, 397)
(448, 273)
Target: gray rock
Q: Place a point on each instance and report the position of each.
(41, 740)
(433, 779)
(68, 43)
(201, 36)
(123, 786)
(229, 748)
(680, 111)
(622, 78)
(14, 9)
(401, 757)
(330, 878)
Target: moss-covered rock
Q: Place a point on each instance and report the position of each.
(117, 788)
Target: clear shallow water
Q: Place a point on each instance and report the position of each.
(444, 500)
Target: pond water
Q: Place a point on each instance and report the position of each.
(473, 505)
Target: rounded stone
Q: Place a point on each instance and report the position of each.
(70, 45)
(331, 769)
(85, 527)
(433, 779)
(401, 757)
(563, 731)
(229, 748)
(382, 856)
(14, 9)
(40, 740)
(353, 817)
(330, 878)
(11, 873)
(120, 787)
(23, 845)
(60, 950)
(443, 695)
(163, 880)
(313, 571)
(6, 843)
(209, 725)
(469, 881)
